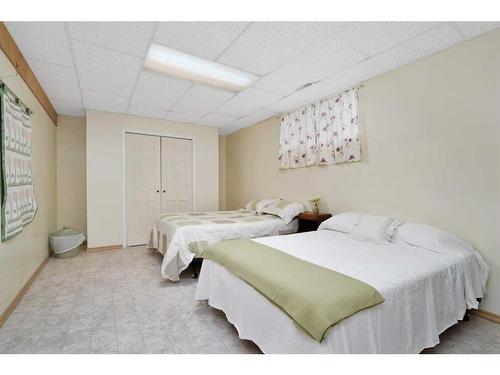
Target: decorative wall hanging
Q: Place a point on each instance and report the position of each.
(325, 132)
(18, 197)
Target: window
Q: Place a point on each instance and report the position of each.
(322, 133)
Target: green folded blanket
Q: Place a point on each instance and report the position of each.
(314, 297)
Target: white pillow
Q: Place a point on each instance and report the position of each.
(284, 209)
(258, 205)
(391, 231)
(440, 241)
(372, 228)
(430, 238)
(344, 222)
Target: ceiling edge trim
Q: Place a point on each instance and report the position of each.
(16, 58)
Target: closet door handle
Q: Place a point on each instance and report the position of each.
(164, 191)
(157, 191)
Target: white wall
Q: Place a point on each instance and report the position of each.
(222, 172)
(104, 169)
(23, 254)
(71, 173)
(431, 152)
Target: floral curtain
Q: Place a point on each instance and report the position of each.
(322, 133)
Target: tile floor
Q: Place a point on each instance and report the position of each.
(116, 302)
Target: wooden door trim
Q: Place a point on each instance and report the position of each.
(125, 131)
(103, 248)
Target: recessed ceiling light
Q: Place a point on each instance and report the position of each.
(183, 65)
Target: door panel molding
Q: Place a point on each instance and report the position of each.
(176, 184)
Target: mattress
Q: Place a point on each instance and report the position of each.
(425, 292)
(173, 233)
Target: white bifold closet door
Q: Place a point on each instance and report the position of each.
(159, 179)
(176, 174)
(143, 179)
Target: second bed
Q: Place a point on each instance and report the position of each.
(179, 236)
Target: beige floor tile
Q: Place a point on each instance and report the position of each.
(130, 341)
(104, 341)
(117, 302)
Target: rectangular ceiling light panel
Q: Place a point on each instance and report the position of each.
(186, 66)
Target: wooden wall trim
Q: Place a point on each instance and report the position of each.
(487, 315)
(102, 248)
(5, 314)
(9, 47)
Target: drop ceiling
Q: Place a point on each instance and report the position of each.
(99, 65)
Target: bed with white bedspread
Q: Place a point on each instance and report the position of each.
(178, 235)
(425, 291)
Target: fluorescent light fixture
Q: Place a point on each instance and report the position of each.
(183, 65)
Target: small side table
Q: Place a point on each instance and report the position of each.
(309, 221)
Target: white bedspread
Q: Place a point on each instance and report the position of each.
(178, 230)
(425, 292)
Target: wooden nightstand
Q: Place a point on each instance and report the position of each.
(309, 221)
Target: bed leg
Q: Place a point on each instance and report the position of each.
(466, 316)
(194, 263)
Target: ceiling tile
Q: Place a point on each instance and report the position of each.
(129, 37)
(303, 97)
(434, 40)
(266, 45)
(247, 101)
(145, 112)
(354, 43)
(65, 107)
(312, 66)
(375, 37)
(216, 119)
(103, 70)
(158, 91)
(254, 118)
(199, 100)
(358, 73)
(104, 102)
(44, 41)
(203, 39)
(347, 53)
(472, 29)
(180, 117)
(226, 130)
(58, 81)
(426, 44)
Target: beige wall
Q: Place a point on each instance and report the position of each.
(222, 172)
(71, 173)
(430, 152)
(21, 255)
(104, 169)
